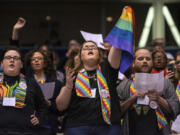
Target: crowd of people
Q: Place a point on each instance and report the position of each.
(87, 96)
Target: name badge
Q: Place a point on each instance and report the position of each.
(9, 101)
(93, 92)
(104, 93)
(143, 101)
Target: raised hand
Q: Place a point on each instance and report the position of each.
(20, 23)
(69, 78)
(170, 75)
(107, 46)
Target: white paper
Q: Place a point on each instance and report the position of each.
(121, 76)
(176, 124)
(143, 101)
(9, 101)
(93, 92)
(47, 89)
(97, 38)
(145, 82)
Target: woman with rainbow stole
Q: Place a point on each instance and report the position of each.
(89, 94)
(22, 106)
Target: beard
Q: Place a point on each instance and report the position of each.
(142, 69)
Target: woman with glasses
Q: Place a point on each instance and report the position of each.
(89, 94)
(20, 97)
(40, 68)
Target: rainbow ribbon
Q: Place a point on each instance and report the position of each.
(159, 114)
(14, 91)
(83, 89)
(178, 90)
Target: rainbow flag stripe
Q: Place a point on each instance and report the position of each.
(83, 89)
(122, 37)
(161, 120)
(178, 90)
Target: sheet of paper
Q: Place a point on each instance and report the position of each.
(47, 89)
(97, 38)
(9, 101)
(143, 101)
(146, 81)
(176, 124)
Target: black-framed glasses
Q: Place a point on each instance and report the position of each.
(36, 58)
(15, 58)
(90, 47)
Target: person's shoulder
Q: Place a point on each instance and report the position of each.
(123, 84)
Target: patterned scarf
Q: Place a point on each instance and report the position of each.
(83, 89)
(17, 90)
(178, 90)
(159, 114)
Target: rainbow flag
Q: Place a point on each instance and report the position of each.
(122, 37)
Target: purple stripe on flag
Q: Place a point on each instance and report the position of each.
(126, 61)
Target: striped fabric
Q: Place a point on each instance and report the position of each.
(83, 89)
(159, 114)
(178, 90)
(20, 94)
(122, 37)
(17, 90)
(82, 85)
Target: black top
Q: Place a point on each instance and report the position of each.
(87, 111)
(57, 88)
(143, 123)
(19, 118)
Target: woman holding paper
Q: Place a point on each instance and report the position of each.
(90, 93)
(40, 68)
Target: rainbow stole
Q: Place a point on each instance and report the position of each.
(159, 114)
(19, 91)
(83, 89)
(178, 90)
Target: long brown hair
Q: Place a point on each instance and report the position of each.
(48, 68)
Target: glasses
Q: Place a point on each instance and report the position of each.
(15, 58)
(36, 58)
(177, 62)
(90, 47)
